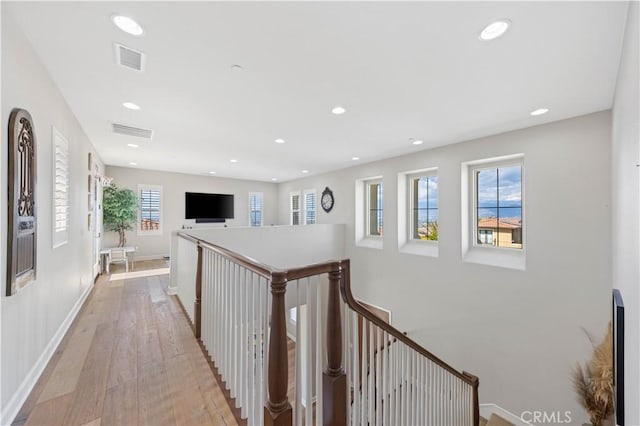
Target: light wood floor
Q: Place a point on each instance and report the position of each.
(130, 358)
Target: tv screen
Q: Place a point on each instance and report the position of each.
(208, 206)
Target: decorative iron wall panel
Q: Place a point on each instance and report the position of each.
(21, 235)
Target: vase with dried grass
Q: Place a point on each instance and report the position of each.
(593, 382)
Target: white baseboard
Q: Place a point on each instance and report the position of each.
(487, 409)
(151, 257)
(10, 411)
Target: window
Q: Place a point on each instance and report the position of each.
(309, 206)
(498, 206)
(294, 206)
(150, 209)
(375, 223)
(424, 207)
(485, 236)
(369, 212)
(255, 209)
(60, 189)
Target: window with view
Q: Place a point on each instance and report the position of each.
(424, 207)
(61, 189)
(255, 209)
(309, 207)
(294, 205)
(498, 206)
(150, 209)
(375, 213)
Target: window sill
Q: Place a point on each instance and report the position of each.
(420, 248)
(500, 257)
(370, 242)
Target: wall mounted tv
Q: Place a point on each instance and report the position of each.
(208, 207)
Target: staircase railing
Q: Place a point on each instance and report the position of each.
(395, 381)
(359, 370)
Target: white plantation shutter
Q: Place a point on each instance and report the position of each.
(150, 209)
(60, 189)
(309, 207)
(295, 208)
(255, 209)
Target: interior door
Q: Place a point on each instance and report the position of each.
(97, 219)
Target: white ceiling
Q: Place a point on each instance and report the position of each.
(402, 70)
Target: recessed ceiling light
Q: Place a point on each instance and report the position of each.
(274, 179)
(338, 110)
(131, 105)
(417, 142)
(355, 158)
(540, 111)
(233, 160)
(212, 173)
(132, 163)
(132, 145)
(127, 25)
(305, 171)
(236, 67)
(495, 29)
(279, 140)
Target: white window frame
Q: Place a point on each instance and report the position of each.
(406, 242)
(260, 195)
(505, 257)
(291, 210)
(141, 232)
(368, 185)
(60, 153)
(410, 180)
(305, 193)
(362, 236)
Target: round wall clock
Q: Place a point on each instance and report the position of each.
(327, 199)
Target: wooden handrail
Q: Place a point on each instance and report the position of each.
(348, 298)
(245, 261)
(265, 270)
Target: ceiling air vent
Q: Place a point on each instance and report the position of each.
(131, 131)
(129, 58)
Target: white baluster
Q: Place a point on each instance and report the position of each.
(355, 369)
(320, 351)
(308, 351)
(347, 364)
(298, 355)
(364, 377)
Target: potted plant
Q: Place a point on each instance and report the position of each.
(594, 382)
(120, 210)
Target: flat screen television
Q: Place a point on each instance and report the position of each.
(208, 207)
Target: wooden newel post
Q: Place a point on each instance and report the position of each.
(475, 382)
(334, 379)
(197, 306)
(278, 411)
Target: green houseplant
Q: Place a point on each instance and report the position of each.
(120, 210)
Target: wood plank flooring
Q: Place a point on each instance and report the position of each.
(130, 358)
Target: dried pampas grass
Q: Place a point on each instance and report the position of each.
(594, 382)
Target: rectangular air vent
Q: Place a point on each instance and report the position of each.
(129, 58)
(131, 131)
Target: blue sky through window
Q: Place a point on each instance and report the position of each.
(500, 192)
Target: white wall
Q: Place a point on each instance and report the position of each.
(174, 185)
(519, 331)
(626, 201)
(36, 318)
(280, 246)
